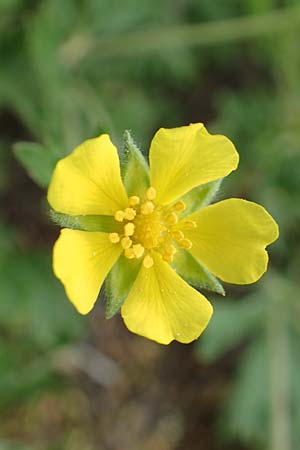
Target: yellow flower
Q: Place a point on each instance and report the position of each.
(144, 228)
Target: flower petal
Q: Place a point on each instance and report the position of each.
(230, 239)
(88, 181)
(163, 307)
(81, 260)
(183, 158)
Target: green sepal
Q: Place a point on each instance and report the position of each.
(200, 196)
(105, 224)
(118, 284)
(194, 273)
(134, 168)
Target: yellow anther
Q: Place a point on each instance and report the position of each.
(170, 249)
(179, 206)
(148, 261)
(129, 214)
(129, 253)
(138, 250)
(129, 229)
(151, 193)
(134, 200)
(126, 242)
(190, 225)
(185, 243)
(168, 258)
(147, 208)
(119, 216)
(177, 235)
(172, 218)
(114, 238)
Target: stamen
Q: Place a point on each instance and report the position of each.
(114, 238)
(190, 225)
(177, 235)
(147, 208)
(129, 214)
(129, 229)
(179, 206)
(138, 250)
(172, 218)
(134, 200)
(185, 243)
(129, 253)
(126, 242)
(170, 249)
(148, 261)
(119, 216)
(168, 258)
(151, 193)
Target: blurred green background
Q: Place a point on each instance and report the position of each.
(71, 69)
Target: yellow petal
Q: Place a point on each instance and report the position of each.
(163, 307)
(230, 239)
(81, 260)
(183, 158)
(88, 181)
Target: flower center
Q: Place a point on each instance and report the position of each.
(150, 227)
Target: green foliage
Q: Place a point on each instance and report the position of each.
(37, 160)
(266, 326)
(35, 319)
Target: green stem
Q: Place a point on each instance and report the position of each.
(179, 36)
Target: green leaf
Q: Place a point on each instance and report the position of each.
(247, 408)
(105, 224)
(200, 196)
(232, 322)
(193, 272)
(134, 167)
(37, 160)
(119, 282)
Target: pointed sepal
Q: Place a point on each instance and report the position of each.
(134, 167)
(194, 273)
(118, 284)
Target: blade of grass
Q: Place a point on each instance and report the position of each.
(78, 47)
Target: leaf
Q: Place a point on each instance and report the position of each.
(135, 170)
(37, 160)
(34, 305)
(35, 320)
(119, 282)
(232, 322)
(194, 273)
(105, 224)
(246, 411)
(200, 196)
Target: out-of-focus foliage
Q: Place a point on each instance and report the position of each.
(34, 320)
(72, 69)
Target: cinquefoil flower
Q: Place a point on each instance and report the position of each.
(147, 231)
